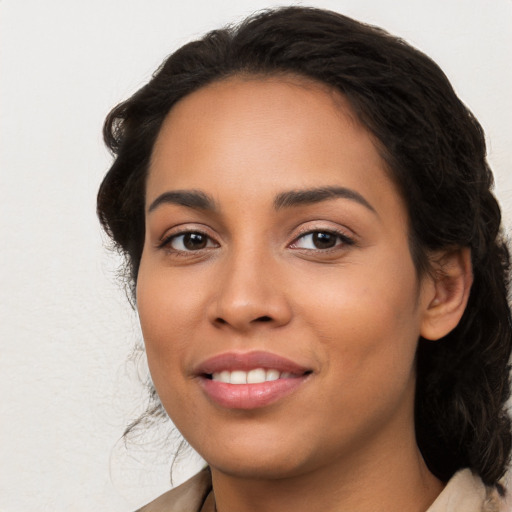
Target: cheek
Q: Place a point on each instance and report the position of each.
(169, 312)
(368, 319)
(370, 355)
(163, 318)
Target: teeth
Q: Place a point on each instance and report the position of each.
(238, 377)
(272, 375)
(225, 376)
(256, 376)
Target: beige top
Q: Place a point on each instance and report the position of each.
(465, 492)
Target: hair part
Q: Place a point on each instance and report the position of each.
(435, 151)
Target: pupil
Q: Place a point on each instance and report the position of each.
(324, 240)
(194, 241)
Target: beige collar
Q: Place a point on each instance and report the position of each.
(464, 492)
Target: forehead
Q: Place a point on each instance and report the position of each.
(248, 133)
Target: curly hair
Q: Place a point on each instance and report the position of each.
(435, 152)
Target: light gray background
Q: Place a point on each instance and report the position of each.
(65, 327)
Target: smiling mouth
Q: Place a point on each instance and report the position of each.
(255, 376)
(250, 380)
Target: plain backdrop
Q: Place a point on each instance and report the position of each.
(68, 387)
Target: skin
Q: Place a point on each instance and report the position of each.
(351, 313)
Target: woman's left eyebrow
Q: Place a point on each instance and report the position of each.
(316, 195)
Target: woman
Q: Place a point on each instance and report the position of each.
(305, 209)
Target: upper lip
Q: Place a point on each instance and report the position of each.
(246, 361)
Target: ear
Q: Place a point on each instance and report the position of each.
(451, 279)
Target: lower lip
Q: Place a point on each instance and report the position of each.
(250, 396)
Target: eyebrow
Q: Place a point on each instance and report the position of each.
(317, 195)
(189, 198)
(200, 201)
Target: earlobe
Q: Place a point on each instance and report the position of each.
(451, 277)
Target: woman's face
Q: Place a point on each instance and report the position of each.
(279, 303)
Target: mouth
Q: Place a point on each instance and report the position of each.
(250, 380)
(256, 376)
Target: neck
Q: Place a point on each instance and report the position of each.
(394, 477)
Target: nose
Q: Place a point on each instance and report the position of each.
(249, 293)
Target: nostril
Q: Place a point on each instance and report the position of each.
(263, 319)
(260, 319)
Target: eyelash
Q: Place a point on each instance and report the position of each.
(166, 243)
(342, 240)
(340, 236)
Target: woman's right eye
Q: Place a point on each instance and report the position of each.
(188, 242)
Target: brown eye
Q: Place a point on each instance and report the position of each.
(190, 241)
(194, 241)
(321, 240)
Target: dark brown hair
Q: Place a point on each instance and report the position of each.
(435, 152)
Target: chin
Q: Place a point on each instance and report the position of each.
(260, 463)
(270, 469)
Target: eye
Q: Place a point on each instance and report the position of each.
(189, 241)
(321, 240)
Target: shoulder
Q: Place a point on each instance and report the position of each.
(465, 492)
(188, 497)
